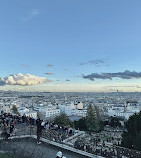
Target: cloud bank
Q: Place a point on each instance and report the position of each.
(123, 75)
(23, 80)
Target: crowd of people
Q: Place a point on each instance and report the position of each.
(105, 148)
(7, 124)
(53, 131)
(10, 124)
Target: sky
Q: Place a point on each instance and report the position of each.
(70, 45)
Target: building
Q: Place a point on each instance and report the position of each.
(31, 114)
(66, 109)
(124, 110)
(79, 112)
(49, 111)
(23, 110)
(4, 108)
(74, 108)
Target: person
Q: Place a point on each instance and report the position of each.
(47, 126)
(39, 130)
(59, 154)
(43, 124)
(11, 129)
(4, 134)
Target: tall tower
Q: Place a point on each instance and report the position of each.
(125, 106)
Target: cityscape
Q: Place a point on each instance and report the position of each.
(103, 137)
(70, 79)
(48, 104)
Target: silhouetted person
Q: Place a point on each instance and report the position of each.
(39, 130)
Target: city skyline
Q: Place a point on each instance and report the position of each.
(83, 46)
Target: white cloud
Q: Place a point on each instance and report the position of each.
(31, 15)
(23, 80)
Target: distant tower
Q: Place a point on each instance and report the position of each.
(125, 106)
(65, 96)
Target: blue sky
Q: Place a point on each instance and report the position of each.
(77, 37)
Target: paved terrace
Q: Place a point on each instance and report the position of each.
(23, 144)
(27, 147)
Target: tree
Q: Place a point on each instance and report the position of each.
(97, 112)
(132, 137)
(14, 109)
(115, 122)
(91, 119)
(81, 124)
(63, 120)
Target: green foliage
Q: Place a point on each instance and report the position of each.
(115, 122)
(97, 112)
(81, 124)
(101, 125)
(15, 110)
(5, 155)
(127, 140)
(132, 138)
(138, 141)
(92, 121)
(63, 120)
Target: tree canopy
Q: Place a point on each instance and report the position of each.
(14, 109)
(115, 122)
(132, 137)
(81, 124)
(63, 120)
(92, 121)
